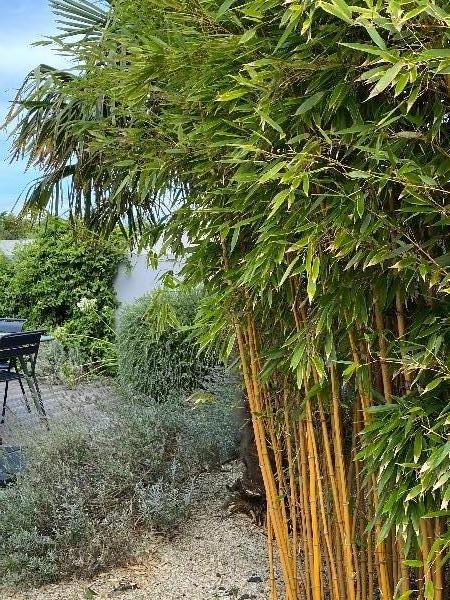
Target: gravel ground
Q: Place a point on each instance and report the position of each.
(214, 556)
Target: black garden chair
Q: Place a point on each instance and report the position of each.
(10, 325)
(20, 351)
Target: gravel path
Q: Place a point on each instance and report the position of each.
(213, 556)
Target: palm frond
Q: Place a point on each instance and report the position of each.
(80, 17)
(52, 130)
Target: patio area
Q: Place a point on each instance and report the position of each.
(63, 405)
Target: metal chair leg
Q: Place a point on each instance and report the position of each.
(5, 397)
(27, 404)
(38, 392)
(42, 412)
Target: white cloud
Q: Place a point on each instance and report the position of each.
(18, 57)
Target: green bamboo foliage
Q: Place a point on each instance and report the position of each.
(308, 147)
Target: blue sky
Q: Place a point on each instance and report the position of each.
(23, 22)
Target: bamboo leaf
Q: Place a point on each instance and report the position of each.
(247, 36)
(230, 345)
(412, 98)
(360, 201)
(337, 11)
(272, 173)
(415, 564)
(418, 441)
(235, 238)
(232, 95)
(224, 7)
(433, 384)
(387, 79)
(297, 355)
(429, 590)
(436, 53)
(309, 103)
(376, 37)
(289, 270)
(319, 366)
(369, 49)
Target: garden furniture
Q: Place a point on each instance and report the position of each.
(11, 464)
(10, 325)
(21, 349)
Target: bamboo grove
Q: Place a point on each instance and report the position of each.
(305, 145)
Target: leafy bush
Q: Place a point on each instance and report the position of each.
(90, 336)
(13, 227)
(64, 279)
(87, 498)
(155, 351)
(59, 364)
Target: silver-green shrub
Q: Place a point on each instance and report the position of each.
(156, 352)
(90, 494)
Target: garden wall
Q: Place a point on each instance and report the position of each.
(138, 278)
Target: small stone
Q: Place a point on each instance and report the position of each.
(123, 587)
(233, 592)
(254, 579)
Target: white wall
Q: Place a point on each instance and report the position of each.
(8, 246)
(135, 280)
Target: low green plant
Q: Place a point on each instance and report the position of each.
(90, 336)
(156, 352)
(58, 364)
(88, 497)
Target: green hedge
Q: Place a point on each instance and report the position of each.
(156, 355)
(63, 281)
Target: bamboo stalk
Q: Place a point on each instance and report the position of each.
(438, 569)
(252, 386)
(380, 551)
(272, 581)
(404, 572)
(370, 569)
(306, 511)
(401, 326)
(340, 568)
(338, 485)
(316, 562)
(401, 329)
(420, 579)
(387, 384)
(339, 458)
(292, 486)
(326, 534)
(331, 471)
(425, 549)
(266, 469)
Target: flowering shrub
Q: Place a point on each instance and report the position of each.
(87, 304)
